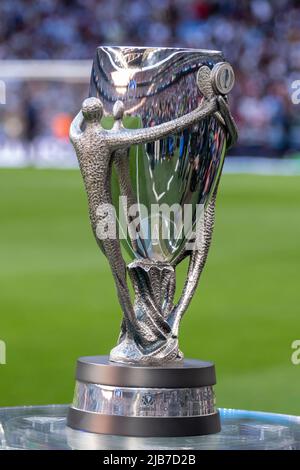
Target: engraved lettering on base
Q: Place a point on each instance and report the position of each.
(129, 401)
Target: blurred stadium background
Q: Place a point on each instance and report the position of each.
(57, 299)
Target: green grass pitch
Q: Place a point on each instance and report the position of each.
(57, 298)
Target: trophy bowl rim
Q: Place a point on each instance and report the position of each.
(167, 48)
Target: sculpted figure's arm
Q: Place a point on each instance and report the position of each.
(117, 139)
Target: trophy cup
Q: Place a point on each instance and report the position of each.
(153, 133)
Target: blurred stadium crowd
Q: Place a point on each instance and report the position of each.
(261, 38)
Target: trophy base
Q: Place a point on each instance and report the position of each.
(129, 400)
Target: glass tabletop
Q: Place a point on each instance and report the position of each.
(44, 427)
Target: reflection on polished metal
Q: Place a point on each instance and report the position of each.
(165, 127)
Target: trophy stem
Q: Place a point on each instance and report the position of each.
(152, 342)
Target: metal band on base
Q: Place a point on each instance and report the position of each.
(144, 427)
(113, 398)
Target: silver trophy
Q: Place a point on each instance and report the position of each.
(151, 141)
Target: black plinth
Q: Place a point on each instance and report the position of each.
(129, 400)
